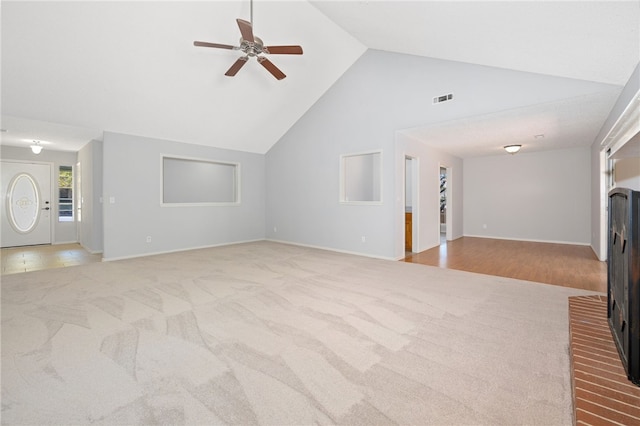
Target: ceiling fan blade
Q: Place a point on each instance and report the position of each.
(236, 66)
(275, 71)
(246, 29)
(283, 50)
(219, 46)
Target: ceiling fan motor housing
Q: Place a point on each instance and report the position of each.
(252, 48)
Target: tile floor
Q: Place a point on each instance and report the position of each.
(33, 258)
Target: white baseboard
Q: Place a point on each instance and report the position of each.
(528, 240)
(90, 251)
(134, 256)
(355, 253)
(59, 243)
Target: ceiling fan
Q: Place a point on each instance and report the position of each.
(252, 46)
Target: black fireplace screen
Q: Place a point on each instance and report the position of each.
(623, 277)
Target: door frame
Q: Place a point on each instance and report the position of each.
(77, 199)
(415, 200)
(449, 204)
(52, 197)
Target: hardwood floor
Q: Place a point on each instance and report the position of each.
(559, 264)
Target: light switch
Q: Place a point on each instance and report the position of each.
(112, 200)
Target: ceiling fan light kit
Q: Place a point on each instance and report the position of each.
(253, 46)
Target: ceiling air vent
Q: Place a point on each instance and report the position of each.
(443, 98)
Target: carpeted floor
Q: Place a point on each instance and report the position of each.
(266, 333)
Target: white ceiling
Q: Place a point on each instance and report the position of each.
(566, 123)
(587, 40)
(71, 70)
(131, 67)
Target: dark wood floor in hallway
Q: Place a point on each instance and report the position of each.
(558, 264)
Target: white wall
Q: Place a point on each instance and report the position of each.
(90, 226)
(541, 196)
(132, 177)
(63, 232)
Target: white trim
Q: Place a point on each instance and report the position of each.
(238, 174)
(415, 203)
(134, 256)
(341, 193)
(112, 259)
(449, 204)
(89, 250)
(601, 252)
(355, 253)
(529, 240)
(625, 127)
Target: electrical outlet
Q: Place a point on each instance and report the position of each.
(364, 239)
(148, 238)
(275, 229)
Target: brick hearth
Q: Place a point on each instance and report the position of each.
(602, 394)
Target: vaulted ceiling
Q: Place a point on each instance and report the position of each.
(71, 70)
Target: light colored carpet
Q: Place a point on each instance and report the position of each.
(266, 333)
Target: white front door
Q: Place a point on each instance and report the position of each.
(26, 204)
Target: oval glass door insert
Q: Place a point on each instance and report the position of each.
(23, 203)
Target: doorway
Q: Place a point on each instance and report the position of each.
(26, 204)
(444, 205)
(411, 204)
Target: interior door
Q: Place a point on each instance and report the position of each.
(26, 204)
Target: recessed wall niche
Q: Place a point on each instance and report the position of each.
(199, 182)
(361, 178)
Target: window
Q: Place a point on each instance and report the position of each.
(360, 179)
(195, 181)
(65, 194)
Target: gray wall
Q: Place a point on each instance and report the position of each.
(540, 196)
(63, 232)
(132, 180)
(380, 94)
(90, 227)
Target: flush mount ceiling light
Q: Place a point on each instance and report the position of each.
(36, 148)
(512, 149)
